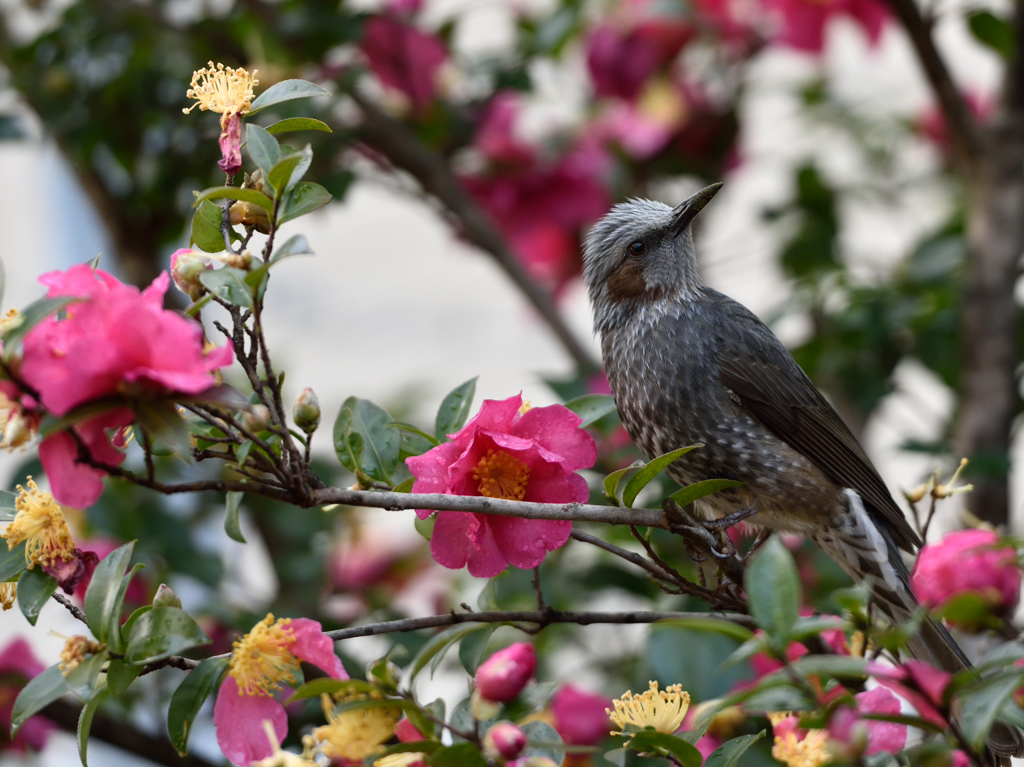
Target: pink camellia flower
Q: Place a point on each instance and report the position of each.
(404, 57)
(507, 450)
(115, 342)
(873, 735)
(504, 740)
(504, 675)
(908, 681)
(263, 661)
(968, 561)
(802, 22)
(581, 717)
(17, 666)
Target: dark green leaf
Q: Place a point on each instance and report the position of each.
(296, 245)
(104, 599)
(189, 698)
(592, 407)
(462, 719)
(161, 632)
(120, 675)
(408, 427)
(729, 753)
(229, 285)
(613, 480)
(304, 198)
(420, 746)
(439, 644)
(653, 742)
(698, 490)
(286, 90)
(473, 647)
(832, 666)
(263, 148)
(11, 562)
(163, 421)
(544, 741)
(34, 590)
(993, 32)
(454, 410)
(298, 123)
(232, 500)
(236, 193)
(773, 589)
(40, 692)
(327, 686)
(289, 170)
(640, 480)
(85, 724)
(711, 625)
(31, 316)
(206, 232)
(459, 755)
(980, 705)
(380, 441)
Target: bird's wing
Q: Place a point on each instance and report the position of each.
(764, 379)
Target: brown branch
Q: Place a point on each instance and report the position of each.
(71, 607)
(403, 148)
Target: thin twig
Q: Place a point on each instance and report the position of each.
(71, 607)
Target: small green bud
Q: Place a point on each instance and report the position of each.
(306, 411)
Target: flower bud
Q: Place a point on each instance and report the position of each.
(504, 739)
(256, 419)
(504, 675)
(186, 266)
(483, 709)
(306, 411)
(248, 214)
(165, 597)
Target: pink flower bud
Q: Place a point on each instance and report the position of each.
(407, 732)
(306, 411)
(581, 717)
(504, 675)
(186, 266)
(505, 740)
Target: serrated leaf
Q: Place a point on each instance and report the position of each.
(648, 472)
(297, 124)
(729, 753)
(286, 90)
(296, 245)
(34, 590)
(653, 742)
(31, 316)
(437, 646)
(189, 698)
(12, 562)
(42, 690)
(228, 284)
(236, 193)
(473, 647)
(104, 599)
(698, 490)
(206, 232)
(232, 501)
(592, 407)
(773, 589)
(304, 198)
(380, 442)
(454, 410)
(160, 633)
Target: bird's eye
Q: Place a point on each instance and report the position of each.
(637, 248)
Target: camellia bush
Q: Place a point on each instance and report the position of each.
(759, 645)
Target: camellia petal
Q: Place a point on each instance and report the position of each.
(71, 483)
(313, 646)
(239, 722)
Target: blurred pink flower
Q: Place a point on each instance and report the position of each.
(17, 666)
(504, 740)
(407, 732)
(580, 716)
(894, 678)
(505, 451)
(932, 123)
(802, 22)
(503, 676)
(403, 57)
(968, 561)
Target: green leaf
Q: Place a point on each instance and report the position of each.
(228, 284)
(613, 480)
(162, 632)
(617, 756)
(640, 480)
(425, 527)
(438, 645)
(592, 407)
(34, 590)
(832, 666)
(473, 647)
(459, 755)
(236, 193)
(380, 441)
(729, 753)
(162, 420)
(31, 316)
(120, 675)
(980, 705)
(405, 486)
(263, 148)
(84, 679)
(698, 490)
(994, 32)
(189, 698)
(206, 233)
(12, 562)
(327, 686)
(286, 90)
(544, 741)
(104, 599)
(296, 245)
(304, 198)
(711, 625)
(85, 724)
(298, 123)
(408, 427)
(289, 170)
(40, 692)
(773, 589)
(454, 410)
(654, 742)
(232, 500)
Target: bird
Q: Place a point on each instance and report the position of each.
(687, 364)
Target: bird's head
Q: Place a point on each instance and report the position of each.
(641, 252)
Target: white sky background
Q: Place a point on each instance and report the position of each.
(395, 309)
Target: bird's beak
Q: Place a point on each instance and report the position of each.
(689, 208)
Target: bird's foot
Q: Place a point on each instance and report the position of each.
(724, 523)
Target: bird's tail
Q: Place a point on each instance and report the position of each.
(868, 553)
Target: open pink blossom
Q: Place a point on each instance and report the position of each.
(802, 22)
(505, 451)
(968, 561)
(622, 57)
(404, 57)
(900, 681)
(17, 666)
(581, 716)
(263, 662)
(503, 676)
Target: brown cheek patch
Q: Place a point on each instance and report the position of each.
(627, 282)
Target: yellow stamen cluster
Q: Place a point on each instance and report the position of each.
(809, 751)
(10, 320)
(356, 733)
(502, 476)
(280, 758)
(262, 660)
(75, 650)
(408, 759)
(939, 490)
(525, 408)
(222, 89)
(40, 523)
(8, 593)
(664, 710)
